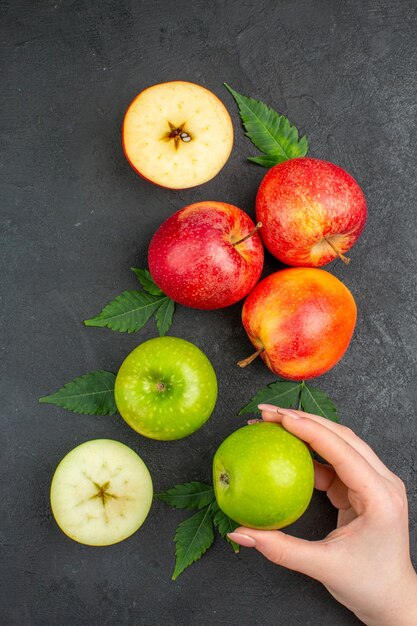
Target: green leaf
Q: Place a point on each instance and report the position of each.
(192, 538)
(284, 394)
(147, 282)
(91, 394)
(315, 401)
(164, 315)
(269, 132)
(128, 312)
(224, 524)
(192, 495)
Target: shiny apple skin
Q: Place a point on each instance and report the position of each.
(304, 319)
(166, 388)
(263, 476)
(303, 201)
(192, 259)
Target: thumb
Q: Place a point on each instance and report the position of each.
(308, 557)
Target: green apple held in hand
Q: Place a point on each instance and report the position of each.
(166, 388)
(263, 476)
(101, 492)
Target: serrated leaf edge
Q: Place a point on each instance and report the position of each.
(136, 271)
(280, 151)
(203, 521)
(214, 510)
(308, 389)
(160, 496)
(251, 401)
(170, 310)
(101, 317)
(49, 399)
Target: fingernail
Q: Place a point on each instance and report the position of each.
(279, 410)
(288, 413)
(242, 540)
(254, 421)
(268, 407)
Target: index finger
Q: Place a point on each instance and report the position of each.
(274, 414)
(351, 467)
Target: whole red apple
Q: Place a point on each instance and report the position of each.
(301, 321)
(208, 255)
(312, 211)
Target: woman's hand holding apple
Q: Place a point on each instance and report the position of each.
(365, 562)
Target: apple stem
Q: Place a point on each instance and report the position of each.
(251, 234)
(250, 358)
(341, 256)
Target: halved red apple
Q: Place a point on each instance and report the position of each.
(177, 134)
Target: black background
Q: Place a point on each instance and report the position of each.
(75, 217)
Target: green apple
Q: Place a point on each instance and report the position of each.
(166, 388)
(101, 492)
(263, 476)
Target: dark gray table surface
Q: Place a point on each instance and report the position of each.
(75, 217)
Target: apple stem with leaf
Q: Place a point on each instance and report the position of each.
(341, 256)
(249, 235)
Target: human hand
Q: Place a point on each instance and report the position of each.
(365, 562)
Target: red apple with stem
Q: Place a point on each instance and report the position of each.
(301, 321)
(312, 212)
(208, 255)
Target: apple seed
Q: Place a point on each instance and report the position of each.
(177, 133)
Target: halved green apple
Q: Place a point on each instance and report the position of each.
(101, 492)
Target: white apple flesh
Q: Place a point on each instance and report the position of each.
(177, 134)
(101, 492)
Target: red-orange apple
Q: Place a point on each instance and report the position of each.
(312, 211)
(301, 321)
(208, 255)
(177, 134)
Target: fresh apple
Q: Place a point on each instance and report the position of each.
(166, 388)
(263, 476)
(312, 212)
(301, 321)
(207, 255)
(101, 492)
(177, 134)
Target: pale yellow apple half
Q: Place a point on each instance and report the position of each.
(101, 492)
(177, 134)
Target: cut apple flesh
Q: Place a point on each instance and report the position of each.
(177, 134)
(101, 492)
